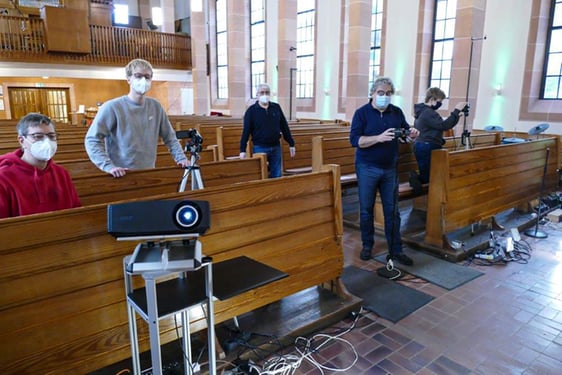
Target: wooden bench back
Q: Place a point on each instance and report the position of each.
(337, 150)
(78, 167)
(302, 162)
(63, 301)
(477, 140)
(103, 188)
(228, 142)
(473, 185)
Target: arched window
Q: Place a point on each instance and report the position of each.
(306, 18)
(443, 43)
(222, 50)
(257, 43)
(376, 36)
(552, 76)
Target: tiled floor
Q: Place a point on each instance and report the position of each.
(508, 321)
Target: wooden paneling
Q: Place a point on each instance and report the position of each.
(66, 30)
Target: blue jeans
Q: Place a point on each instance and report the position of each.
(274, 157)
(422, 150)
(371, 179)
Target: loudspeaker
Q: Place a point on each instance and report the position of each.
(158, 218)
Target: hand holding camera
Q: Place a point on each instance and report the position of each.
(464, 107)
(402, 134)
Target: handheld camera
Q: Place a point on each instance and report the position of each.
(401, 133)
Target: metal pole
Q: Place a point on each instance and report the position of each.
(465, 138)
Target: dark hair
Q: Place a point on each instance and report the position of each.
(32, 120)
(434, 93)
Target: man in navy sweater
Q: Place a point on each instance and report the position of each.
(264, 121)
(373, 133)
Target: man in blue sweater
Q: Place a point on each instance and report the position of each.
(373, 133)
(264, 121)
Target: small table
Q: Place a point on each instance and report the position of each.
(195, 287)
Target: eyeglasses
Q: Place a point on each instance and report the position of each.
(140, 75)
(38, 137)
(387, 93)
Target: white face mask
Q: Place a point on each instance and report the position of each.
(264, 99)
(382, 101)
(140, 85)
(43, 150)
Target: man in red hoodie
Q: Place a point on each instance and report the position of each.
(30, 182)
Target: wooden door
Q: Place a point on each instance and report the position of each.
(52, 102)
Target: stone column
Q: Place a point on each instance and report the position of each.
(286, 63)
(358, 52)
(238, 49)
(199, 58)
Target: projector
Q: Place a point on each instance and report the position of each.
(164, 218)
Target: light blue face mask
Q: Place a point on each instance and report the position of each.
(382, 101)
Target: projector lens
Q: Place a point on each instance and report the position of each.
(187, 216)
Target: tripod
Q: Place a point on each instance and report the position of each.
(535, 232)
(194, 171)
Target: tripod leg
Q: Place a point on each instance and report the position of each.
(196, 180)
(184, 180)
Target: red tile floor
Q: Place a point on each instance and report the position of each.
(508, 321)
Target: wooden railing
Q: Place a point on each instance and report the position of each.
(23, 39)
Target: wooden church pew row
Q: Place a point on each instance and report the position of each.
(103, 188)
(78, 167)
(477, 140)
(302, 162)
(63, 301)
(473, 185)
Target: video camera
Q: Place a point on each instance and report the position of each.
(465, 109)
(195, 140)
(401, 133)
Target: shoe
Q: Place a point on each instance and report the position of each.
(365, 254)
(415, 183)
(401, 258)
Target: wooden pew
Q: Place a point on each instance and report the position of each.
(102, 188)
(474, 185)
(337, 150)
(228, 137)
(228, 142)
(63, 301)
(78, 167)
(302, 162)
(477, 140)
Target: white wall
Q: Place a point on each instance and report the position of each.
(503, 63)
(400, 51)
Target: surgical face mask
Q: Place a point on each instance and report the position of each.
(436, 106)
(140, 85)
(43, 150)
(264, 99)
(382, 101)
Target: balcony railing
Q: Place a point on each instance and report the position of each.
(23, 39)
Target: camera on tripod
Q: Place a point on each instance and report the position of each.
(195, 140)
(401, 133)
(465, 109)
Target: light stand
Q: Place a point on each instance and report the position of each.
(465, 137)
(291, 70)
(535, 232)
